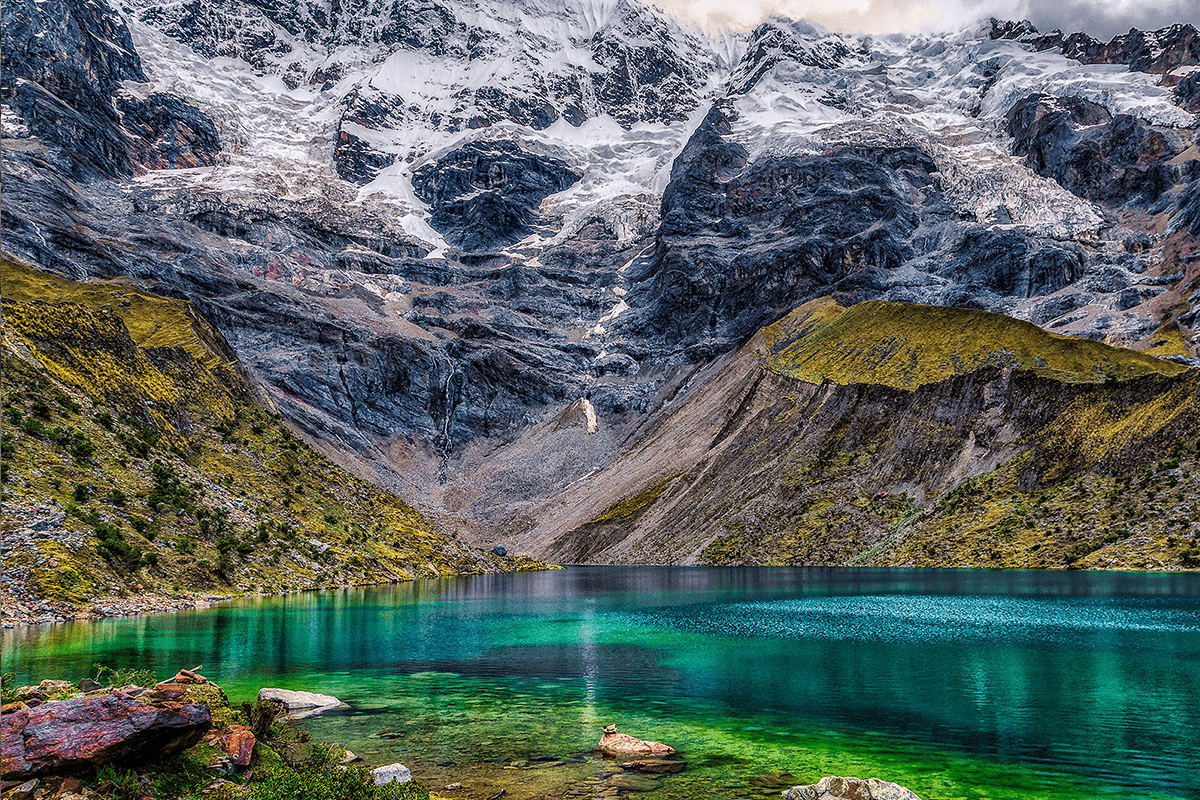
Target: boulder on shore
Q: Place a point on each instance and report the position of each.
(391, 773)
(83, 733)
(832, 787)
(623, 745)
(301, 704)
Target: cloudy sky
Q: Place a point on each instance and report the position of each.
(1101, 18)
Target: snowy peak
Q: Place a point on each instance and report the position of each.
(779, 40)
(1160, 52)
(410, 74)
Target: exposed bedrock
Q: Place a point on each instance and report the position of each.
(1187, 92)
(1158, 52)
(1105, 159)
(486, 194)
(63, 65)
(354, 335)
(743, 241)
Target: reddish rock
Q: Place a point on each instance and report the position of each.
(622, 744)
(83, 733)
(237, 741)
(69, 786)
(187, 676)
(169, 691)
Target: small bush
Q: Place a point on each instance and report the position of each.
(118, 784)
(8, 687)
(264, 717)
(114, 549)
(124, 676)
(314, 783)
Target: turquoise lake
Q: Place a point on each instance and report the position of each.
(955, 683)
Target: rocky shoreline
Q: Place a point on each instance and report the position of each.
(46, 612)
(181, 737)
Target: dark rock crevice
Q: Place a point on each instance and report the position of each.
(1105, 159)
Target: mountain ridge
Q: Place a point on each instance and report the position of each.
(605, 207)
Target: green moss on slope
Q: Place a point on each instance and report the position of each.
(132, 440)
(926, 454)
(906, 346)
(631, 507)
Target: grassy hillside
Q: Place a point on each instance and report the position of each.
(906, 346)
(893, 435)
(135, 460)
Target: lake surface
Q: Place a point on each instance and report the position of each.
(957, 684)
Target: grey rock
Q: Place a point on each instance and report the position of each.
(1091, 153)
(391, 773)
(301, 704)
(484, 194)
(836, 788)
(63, 64)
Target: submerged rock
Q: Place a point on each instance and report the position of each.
(622, 744)
(84, 733)
(659, 766)
(834, 788)
(634, 783)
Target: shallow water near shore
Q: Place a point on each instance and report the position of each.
(955, 683)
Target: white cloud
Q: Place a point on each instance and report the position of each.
(1101, 18)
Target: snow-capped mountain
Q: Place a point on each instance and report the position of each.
(426, 224)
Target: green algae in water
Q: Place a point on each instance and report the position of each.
(956, 684)
(449, 728)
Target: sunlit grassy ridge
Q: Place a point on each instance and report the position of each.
(1102, 448)
(126, 411)
(906, 346)
(891, 435)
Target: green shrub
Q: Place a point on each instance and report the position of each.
(168, 490)
(124, 676)
(264, 717)
(118, 784)
(8, 687)
(114, 549)
(316, 783)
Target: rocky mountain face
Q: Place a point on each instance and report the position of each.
(470, 248)
(136, 461)
(896, 435)
(64, 63)
(1162, 51)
